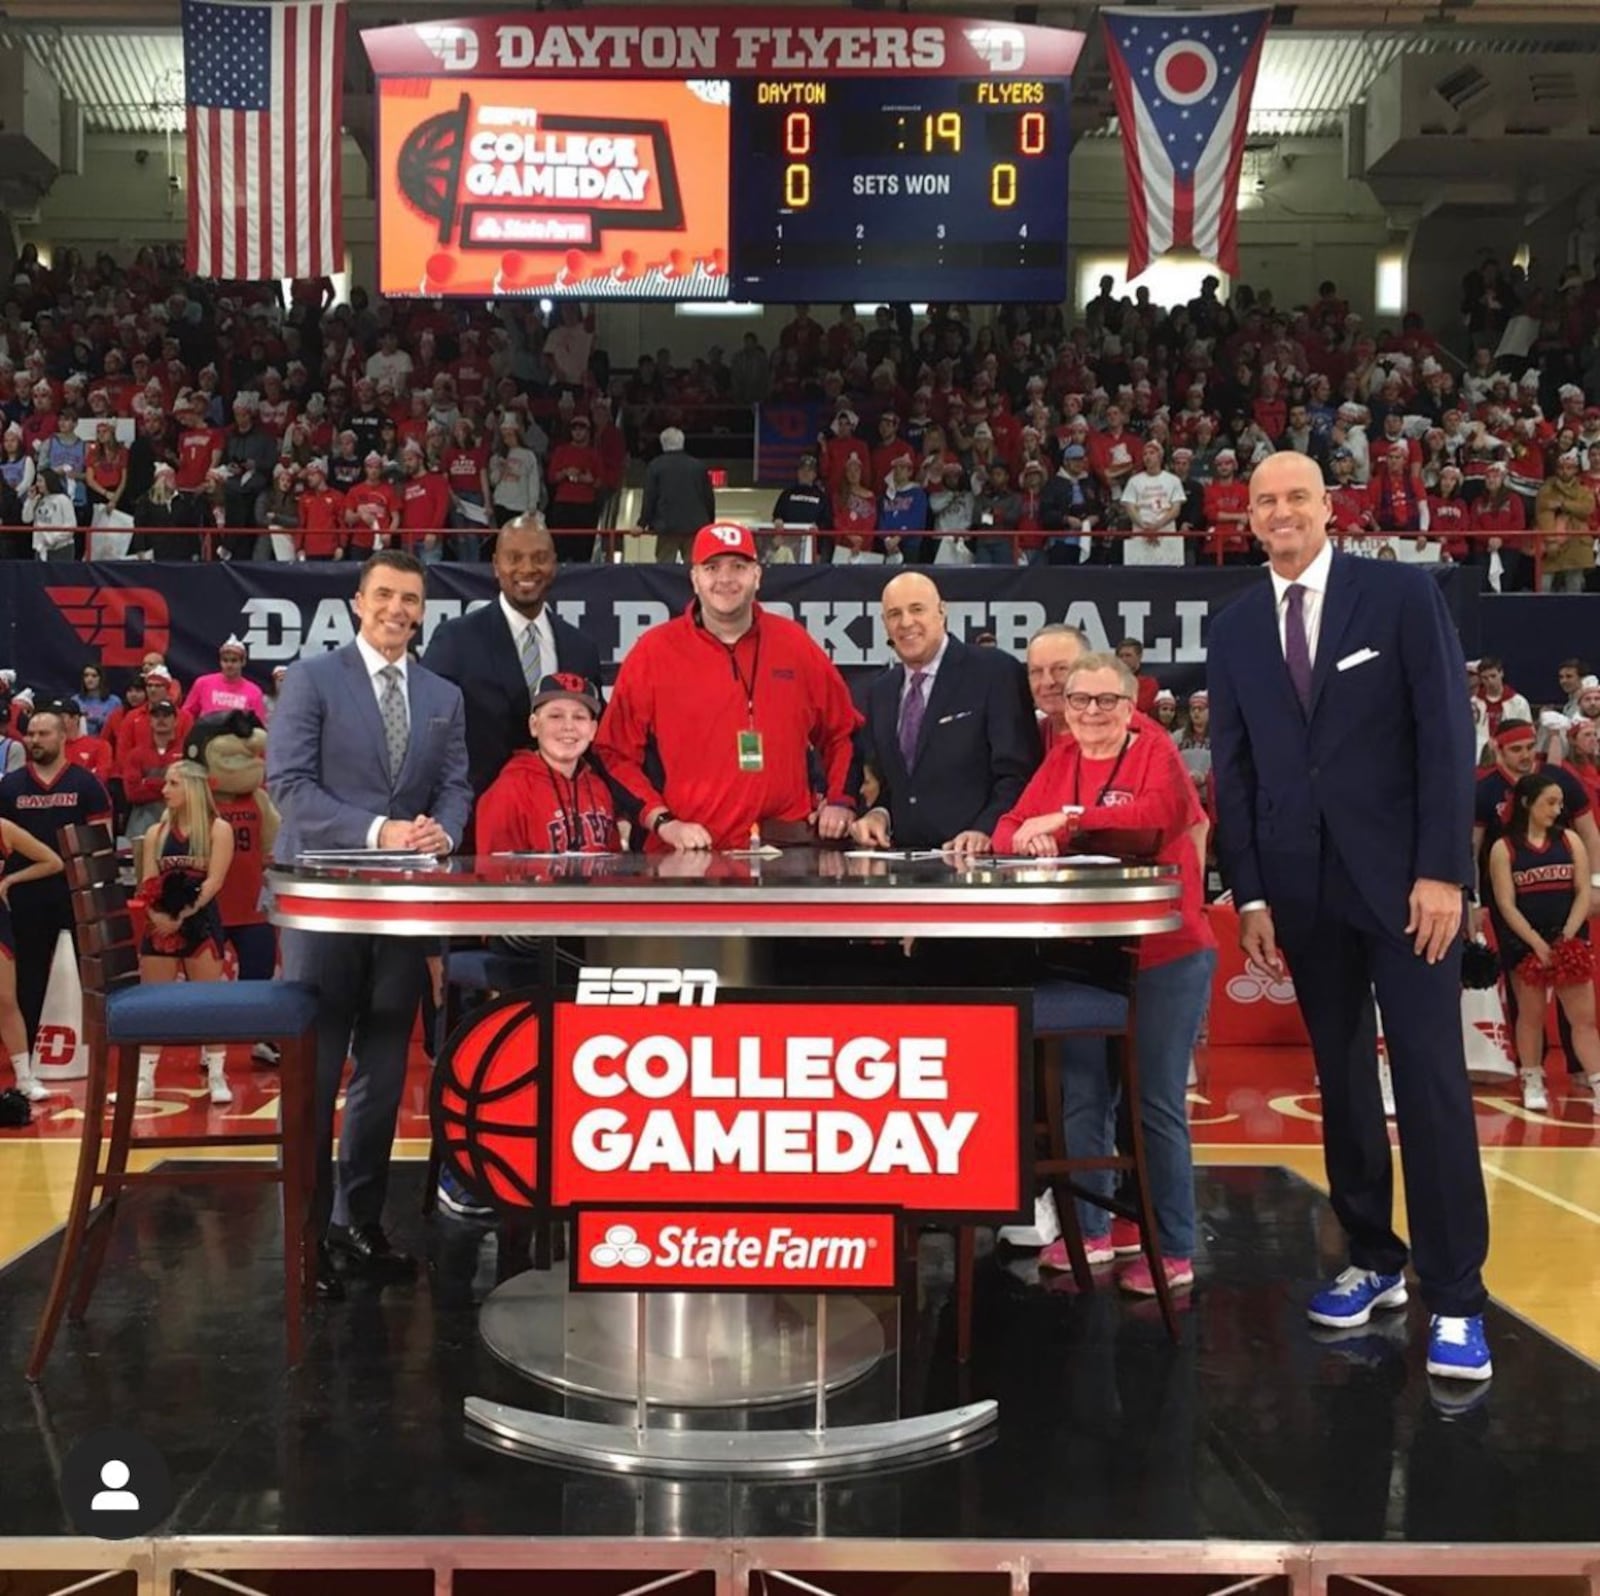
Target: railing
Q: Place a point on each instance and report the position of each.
(612, 544)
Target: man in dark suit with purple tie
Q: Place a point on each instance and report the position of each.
(1342, 752)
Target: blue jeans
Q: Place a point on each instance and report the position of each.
(1172, 1002)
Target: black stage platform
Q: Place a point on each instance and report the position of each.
(1250, 1431)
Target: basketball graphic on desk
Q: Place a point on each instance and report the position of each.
(485, 1103)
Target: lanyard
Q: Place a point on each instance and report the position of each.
(1122, 753)
(749, 686)
(571, 820)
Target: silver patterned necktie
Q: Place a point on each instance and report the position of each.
(396, 726)
(532, 662)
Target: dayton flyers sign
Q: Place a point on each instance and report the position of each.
(706, 43)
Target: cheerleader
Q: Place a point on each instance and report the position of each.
(41, 861)
(1540, 877)
(187, 854)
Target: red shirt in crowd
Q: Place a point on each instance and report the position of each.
(425, 502)
(198, 450)
(321, 523)
(575, 457)
(464, 468)
(144, 765)
(94, 754)
(1449, 520)
(835, 451)
(378, 495)
(685, 691)
(1227, 498)
(532, 808)
(1145, 788)
(1502, 519)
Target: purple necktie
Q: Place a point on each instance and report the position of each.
(1296, 650)
(911, 712)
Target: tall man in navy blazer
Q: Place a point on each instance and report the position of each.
(493, 653)
(950, 731)
(1342, 750)
(368, 750)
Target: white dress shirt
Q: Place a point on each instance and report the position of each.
(1314, 579)
(543, 630)
(375, 662)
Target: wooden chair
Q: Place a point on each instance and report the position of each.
(1063, 1008)
(121, 1015)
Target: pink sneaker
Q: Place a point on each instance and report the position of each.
(1097, 1249)
(1137, 1280)
(1126, 1238)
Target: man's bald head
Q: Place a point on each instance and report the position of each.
(914, 618)
(1289, 511)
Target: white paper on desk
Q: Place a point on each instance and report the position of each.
(1008, 861)
(370, 858)
(607, 854)
(768, 852)
(894, 853)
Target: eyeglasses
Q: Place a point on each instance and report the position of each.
(1104, 702)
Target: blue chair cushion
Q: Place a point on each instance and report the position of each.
(1062, 1007)
(486, 970)
(210, 1011)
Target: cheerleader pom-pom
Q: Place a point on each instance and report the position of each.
(1533, 973)
(1571, 962)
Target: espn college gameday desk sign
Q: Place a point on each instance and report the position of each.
(735, 1160)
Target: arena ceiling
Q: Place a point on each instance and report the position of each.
(122, 60)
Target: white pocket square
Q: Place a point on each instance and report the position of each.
(960, 714)
(1360, 657)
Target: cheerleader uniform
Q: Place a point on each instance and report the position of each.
(8, 942)
(202, 931)
(1543, 879)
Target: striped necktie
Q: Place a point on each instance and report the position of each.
(530, 655)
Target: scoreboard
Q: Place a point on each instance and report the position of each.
(945, 188)
(831, 155)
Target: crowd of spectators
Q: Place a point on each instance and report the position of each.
(197, 420)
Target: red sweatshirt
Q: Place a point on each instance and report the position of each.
(687, 690)
(530, 808)
(1150, 790)
(94, 754)
(144, 766)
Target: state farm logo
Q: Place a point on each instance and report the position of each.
(718, 1248)
(122, 624)
(1257, 984)
(621, 1246)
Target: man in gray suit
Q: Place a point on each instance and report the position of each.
(368, 750)
(678, 499)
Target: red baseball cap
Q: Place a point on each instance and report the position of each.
(722, 537)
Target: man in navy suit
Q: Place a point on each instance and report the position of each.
(494, 652)
(368, 750)
(1342, 751)
(950, 731)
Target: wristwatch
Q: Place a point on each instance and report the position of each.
(661, 820)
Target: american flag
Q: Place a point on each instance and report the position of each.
(263, 84)
(1183, 81)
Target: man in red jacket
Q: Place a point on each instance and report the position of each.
(733, 698)
(424, 505)
(93, 753)
(147, 751)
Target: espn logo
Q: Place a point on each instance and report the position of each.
(625, 987)
(122, 624)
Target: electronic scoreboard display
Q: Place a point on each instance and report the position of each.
(826, 156)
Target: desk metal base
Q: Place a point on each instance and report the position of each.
(768, 1454)
(712, 1350)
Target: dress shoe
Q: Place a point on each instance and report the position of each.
(366, 1250)
(330, 1288)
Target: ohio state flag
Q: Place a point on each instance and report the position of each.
(1183, 81)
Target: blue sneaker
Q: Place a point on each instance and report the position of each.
(454, 1198)
(1457, 1349)
(1349, 1301)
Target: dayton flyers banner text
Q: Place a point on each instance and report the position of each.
(54, 618)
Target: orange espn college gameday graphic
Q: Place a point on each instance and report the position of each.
(526, 185)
